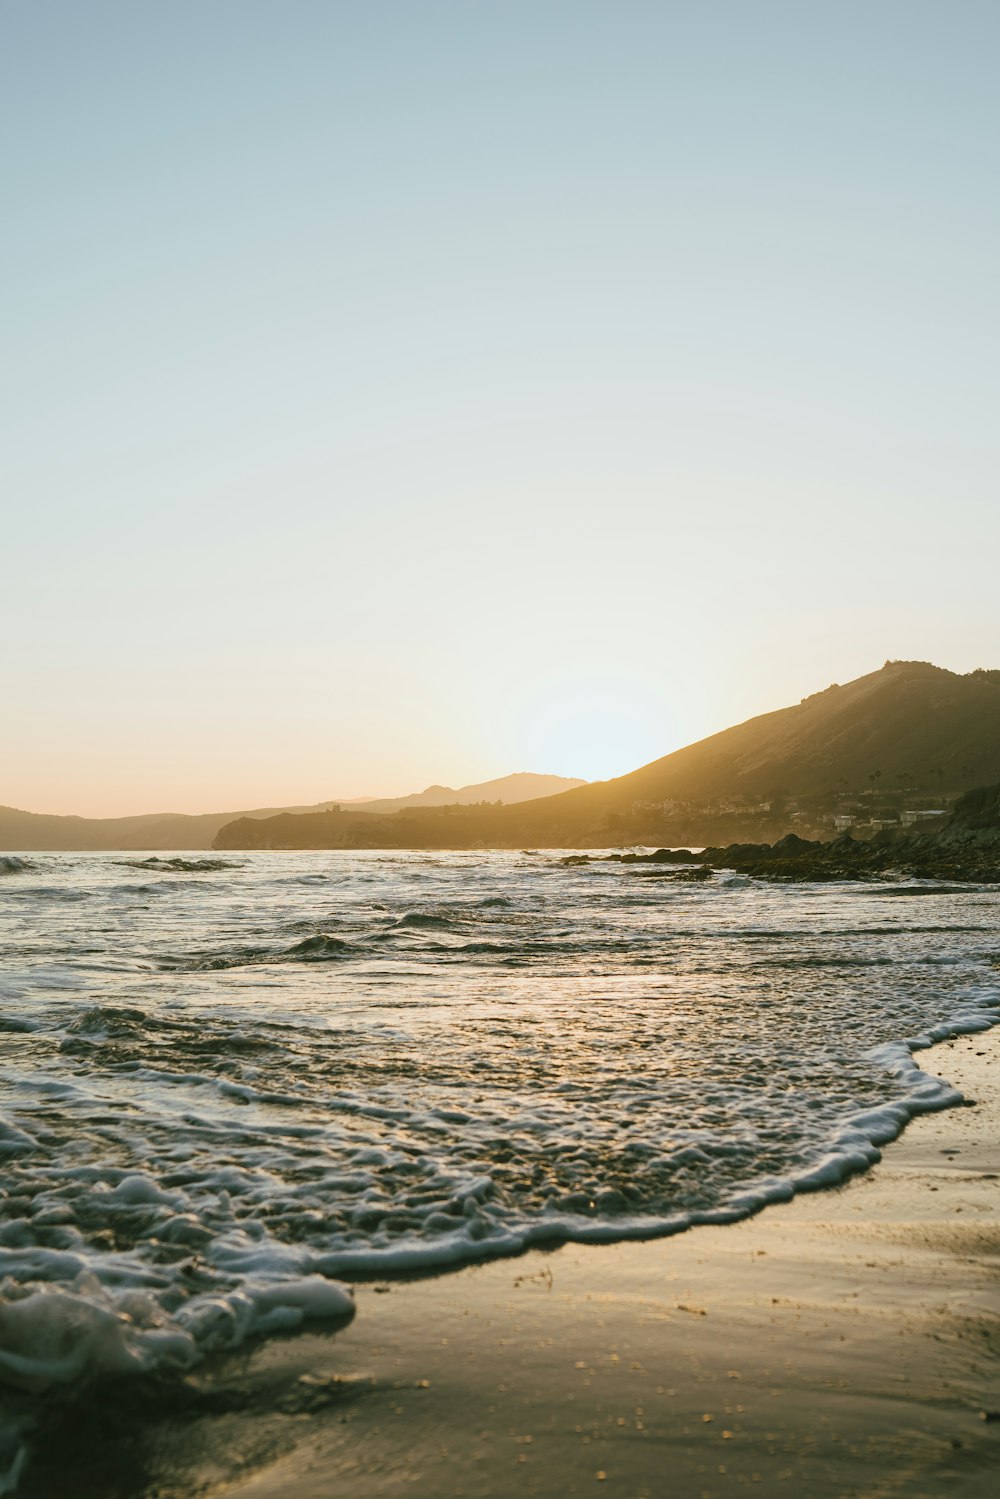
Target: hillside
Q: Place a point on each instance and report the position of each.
(908, 732)
(37, 831)
(908, 728)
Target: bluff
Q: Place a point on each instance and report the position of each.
(909, 728)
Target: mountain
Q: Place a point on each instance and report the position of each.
(32, 831)
(521, 787)
(910, 733)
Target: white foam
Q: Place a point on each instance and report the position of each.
(67, 1334)
(141, 1188)
(51, 1336)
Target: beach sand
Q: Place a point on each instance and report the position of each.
(845, 1343)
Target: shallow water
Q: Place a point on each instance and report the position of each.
(224, 1080)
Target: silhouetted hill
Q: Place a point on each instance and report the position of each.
(521, 787)
(910, 730)
(35, 831)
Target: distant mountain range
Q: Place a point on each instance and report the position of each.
(908, 733)
(33, 831)
(522, 787)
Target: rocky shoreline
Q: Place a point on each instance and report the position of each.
(966, 850)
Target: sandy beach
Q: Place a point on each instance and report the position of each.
(843, 1344)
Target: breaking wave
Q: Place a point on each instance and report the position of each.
(177, 865)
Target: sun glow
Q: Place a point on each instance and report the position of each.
(604, 725)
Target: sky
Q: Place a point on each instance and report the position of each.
(411, 391)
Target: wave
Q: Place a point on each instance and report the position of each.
(841, 961)
(914, 890)
(178, 865)
(61, 894)
(424, 921)
(893, 931)
(110, 1020)
(319, 948)
(11, 864)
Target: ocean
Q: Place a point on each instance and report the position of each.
(231, 1084)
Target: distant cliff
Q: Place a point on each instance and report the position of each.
(908, 733)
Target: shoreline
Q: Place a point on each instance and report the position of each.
(843, 1343)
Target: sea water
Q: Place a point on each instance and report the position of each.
(230, 1083)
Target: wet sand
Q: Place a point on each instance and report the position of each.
(845, 1343)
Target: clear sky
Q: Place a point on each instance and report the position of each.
(399, 391)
